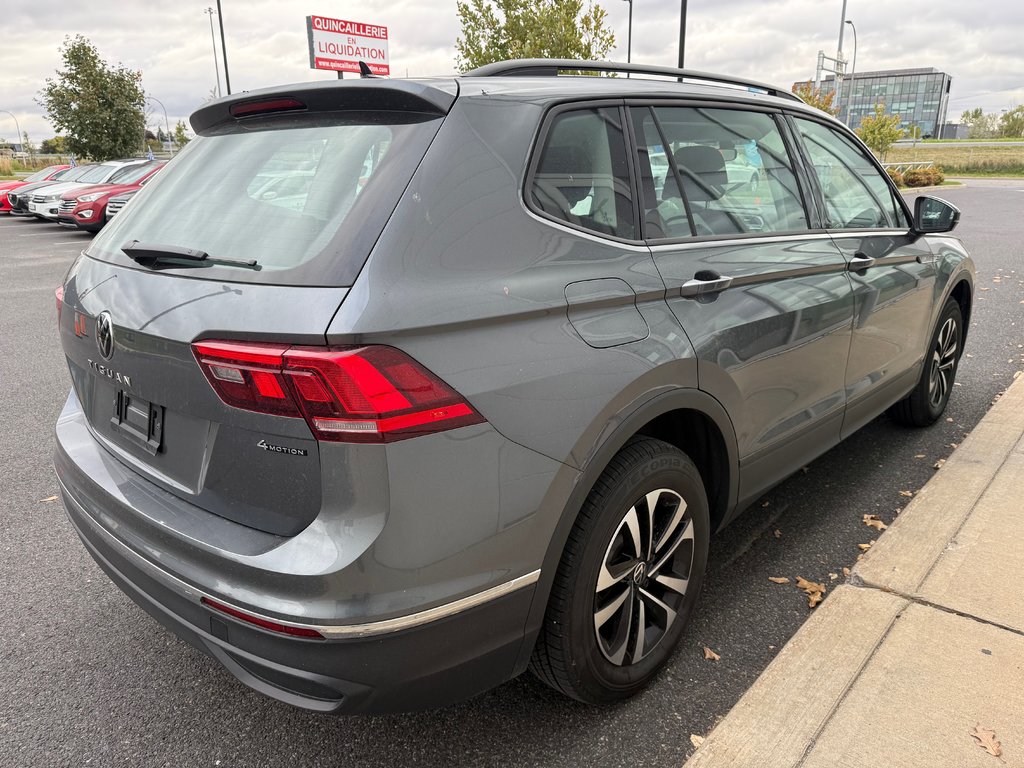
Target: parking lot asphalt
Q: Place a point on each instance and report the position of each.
(86, 678)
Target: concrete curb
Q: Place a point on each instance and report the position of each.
(925, 641)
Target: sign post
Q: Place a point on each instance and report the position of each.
(339, 46)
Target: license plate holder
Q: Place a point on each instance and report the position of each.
(139, 421)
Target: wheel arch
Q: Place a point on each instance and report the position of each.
(689, 419)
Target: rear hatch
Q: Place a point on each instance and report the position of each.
(252, 235)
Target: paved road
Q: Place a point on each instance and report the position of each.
(87, 679)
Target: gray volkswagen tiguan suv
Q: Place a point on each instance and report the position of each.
(385, 391)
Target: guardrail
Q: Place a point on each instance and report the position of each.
(904, 167)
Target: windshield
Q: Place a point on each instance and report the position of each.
(132, 173)
(40, 175)
(279, 192)
(98, 173)
(76, 173)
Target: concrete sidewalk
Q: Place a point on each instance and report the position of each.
(924, 644)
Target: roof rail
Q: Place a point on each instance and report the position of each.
(551, 68)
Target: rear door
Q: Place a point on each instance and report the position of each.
(893, 271)
(764, 298)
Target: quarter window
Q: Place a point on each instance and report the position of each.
(582, 176)
(857, 195)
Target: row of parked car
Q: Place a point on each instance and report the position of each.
(82, 196)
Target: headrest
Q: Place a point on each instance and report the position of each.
(703, 172)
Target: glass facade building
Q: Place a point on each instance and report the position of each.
(918, 96)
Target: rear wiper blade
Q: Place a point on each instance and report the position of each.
(153, 254)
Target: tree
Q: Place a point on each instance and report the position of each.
(980, 125)
(880, 131)
(99, 107)
(815, 98)
(179, 135)
(1011, 124)
(160, 135)
(495, 30)
(58, 145)
(26, 144)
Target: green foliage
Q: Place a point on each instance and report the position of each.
(896, 176)
(100, 108)
(179, 135)
(979, 124)
(815, 98)
(496, 30)
(1011, 124)
(880, 131)
(26, 144)
(924, 177)
(58, 145)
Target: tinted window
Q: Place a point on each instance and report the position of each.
(664, 212)
(736, 174)
(305, 198)
(582, 176)
(856, 194)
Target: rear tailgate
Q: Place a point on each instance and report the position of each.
(149, 403)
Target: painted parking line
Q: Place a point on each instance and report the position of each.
(39, 234)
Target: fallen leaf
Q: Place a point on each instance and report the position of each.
(778, 533)
(48, 499)
(953, 445)
(906, 493)
(696, 740)
(986, 739)
(710, 655)
(846, 572)
(874, 522)
(833, 576)
(815, 591)
(865, 547)
(779, 579)
(938, 464)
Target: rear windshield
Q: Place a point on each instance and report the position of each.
(306, 198)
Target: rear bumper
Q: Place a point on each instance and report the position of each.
(441, 651)
(430, 665)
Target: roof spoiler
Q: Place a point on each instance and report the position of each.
(364, 95)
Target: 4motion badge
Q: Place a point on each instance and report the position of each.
(281, 449)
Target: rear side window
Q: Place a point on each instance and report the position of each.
(735, 172)
(306, 199)
(856, 194)
(582, 176)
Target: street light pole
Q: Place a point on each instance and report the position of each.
(213, 41)
(682, 31)
(629, 34)
(21, 136)
(224, 48)
(853, 71)
(167, 123)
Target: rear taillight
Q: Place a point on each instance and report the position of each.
(372, 394)
(59, 294)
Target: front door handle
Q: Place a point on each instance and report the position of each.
(704, 283)
(860, 262)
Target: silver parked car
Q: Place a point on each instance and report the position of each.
(384, 391)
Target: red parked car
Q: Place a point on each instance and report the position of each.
(46, 174)
(85, 208)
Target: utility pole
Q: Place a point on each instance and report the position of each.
(224, 48)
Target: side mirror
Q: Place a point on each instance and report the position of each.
(932, 215)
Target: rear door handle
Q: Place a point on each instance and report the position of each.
(860, 262)
(698, 287)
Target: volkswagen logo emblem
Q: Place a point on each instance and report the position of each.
(105, 335)
(640, 572)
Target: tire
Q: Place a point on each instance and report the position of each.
(608, 631)
(928, 400)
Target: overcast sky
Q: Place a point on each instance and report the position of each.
(978, 43)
